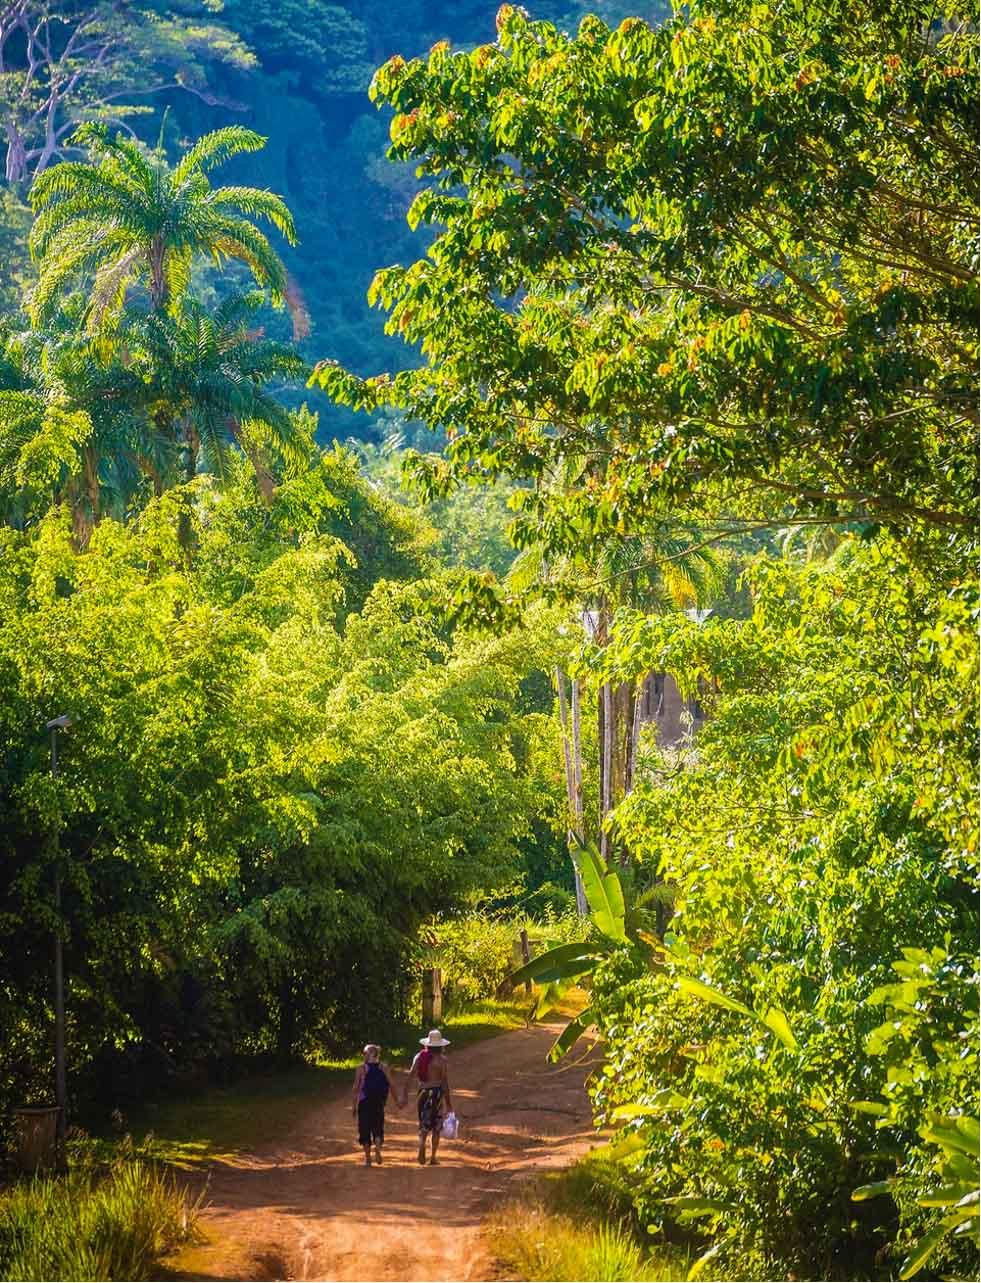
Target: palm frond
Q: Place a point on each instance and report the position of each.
(242, 241)
(75, 255)
(109, 290)
(178, 267)
(217, 147)
(255, 203)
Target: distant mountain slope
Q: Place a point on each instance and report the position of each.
(326, 152)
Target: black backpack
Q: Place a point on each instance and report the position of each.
(375, 1083)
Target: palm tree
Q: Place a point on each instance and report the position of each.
(206, 384)
(72, 427)
(131, 218)
(99, 422)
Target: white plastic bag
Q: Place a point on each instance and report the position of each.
(450, 1126)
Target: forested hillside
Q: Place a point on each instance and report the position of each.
(298, 74)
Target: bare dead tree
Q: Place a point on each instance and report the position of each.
(62, 64)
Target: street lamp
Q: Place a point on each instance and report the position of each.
(61, 1080)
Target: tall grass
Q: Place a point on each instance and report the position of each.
(94, 1223)
(536, 1244)
(576, 1225)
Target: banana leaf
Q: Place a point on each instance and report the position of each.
(571, 1034)
(550, 996)
(777, 1023)
(873, 1190)
(960, 1193)
(603, 892)
(971, 1128)
(555, 963)
(696, 1270)
(922, 1252)
(773, 1018)
(954, 1137)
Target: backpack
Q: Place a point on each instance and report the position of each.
(422, 1064)
(375, 1085)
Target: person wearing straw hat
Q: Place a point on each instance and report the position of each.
(429, 1068)
(372, 1083)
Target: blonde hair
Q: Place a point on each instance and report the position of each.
(372, 1052)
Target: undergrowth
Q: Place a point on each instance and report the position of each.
(577, 1224)
(95, 1222)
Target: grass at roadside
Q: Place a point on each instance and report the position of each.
(221, 1122)
(99, 1221)
(576, 1224)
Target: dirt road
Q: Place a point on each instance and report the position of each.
(310, 1209)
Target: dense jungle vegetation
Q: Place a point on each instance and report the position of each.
(687, 385)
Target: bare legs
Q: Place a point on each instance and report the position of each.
(422, 1145)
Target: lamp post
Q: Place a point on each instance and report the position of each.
(61, 1079)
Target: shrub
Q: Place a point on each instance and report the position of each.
(477, 951)
(113, 1224)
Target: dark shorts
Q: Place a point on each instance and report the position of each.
(430, 1105)
(371, 1121)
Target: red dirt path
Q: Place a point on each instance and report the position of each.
(309, 1209)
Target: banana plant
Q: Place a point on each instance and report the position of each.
(558, 967)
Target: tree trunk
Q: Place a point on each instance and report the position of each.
(577, 752)
(608, 721)
(566, 748)
(16, 162)
(636, 722)
(192, 443)
(573, 778)
(158, 278)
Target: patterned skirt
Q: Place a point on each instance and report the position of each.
(429, 1102)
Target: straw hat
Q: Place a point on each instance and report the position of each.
(434, 1039)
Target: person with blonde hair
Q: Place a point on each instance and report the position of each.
(429, 1068)
(372, 1083)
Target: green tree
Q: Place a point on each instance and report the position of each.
(266, 787)
(326, 42)
(728, 258)
(207, 377)
(129, 217)
(102, 423)
(73, 426)
(824, 827)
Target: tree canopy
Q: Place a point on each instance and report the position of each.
(724, 259)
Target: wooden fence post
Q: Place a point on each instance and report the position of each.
(526, 957)
(432, 996)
